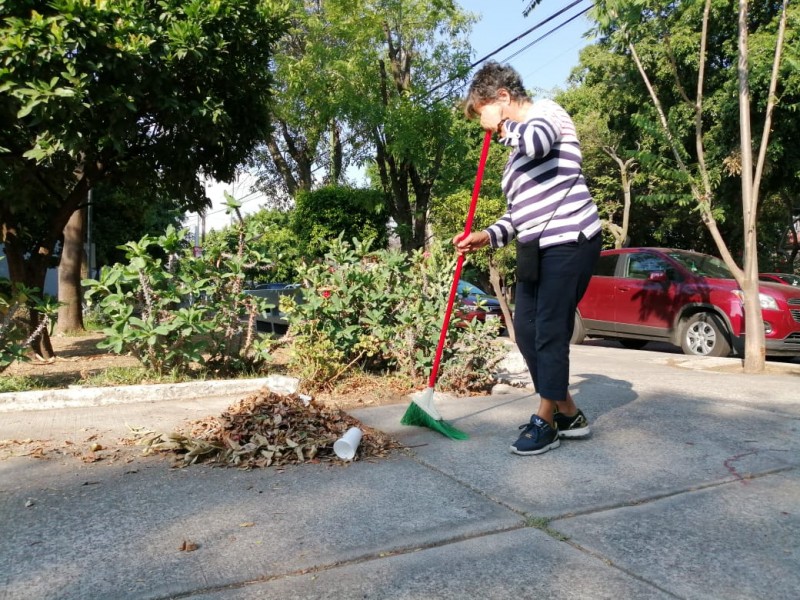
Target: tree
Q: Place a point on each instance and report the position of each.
(397, 53)
(601, 100)
(70, 315)
(329, 212)
(304, 107)
(144, 94)
(268, 234)
(628, 22)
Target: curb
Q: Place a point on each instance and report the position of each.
(79, 396)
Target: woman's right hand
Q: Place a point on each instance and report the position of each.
(474, 241)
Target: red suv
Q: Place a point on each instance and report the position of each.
(689, 299)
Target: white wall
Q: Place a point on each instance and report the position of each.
(50, 281)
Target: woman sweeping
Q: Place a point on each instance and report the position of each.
(551, 214)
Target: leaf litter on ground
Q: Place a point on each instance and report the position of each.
(266, 429)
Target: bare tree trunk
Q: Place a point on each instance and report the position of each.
(495, 280)
(621, 232)
(754, 352)
(70, 295)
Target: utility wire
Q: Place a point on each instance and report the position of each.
(540, 38)
(516, 39)
(504, 46)
(522, 35)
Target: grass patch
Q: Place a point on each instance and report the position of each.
(21, 383)
(543, 524)
(131, 376)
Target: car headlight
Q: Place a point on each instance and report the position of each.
(766, 301)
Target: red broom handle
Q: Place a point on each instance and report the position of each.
(487, 139)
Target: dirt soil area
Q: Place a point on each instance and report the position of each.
(77, 357)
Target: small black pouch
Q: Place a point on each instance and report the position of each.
(528, 262)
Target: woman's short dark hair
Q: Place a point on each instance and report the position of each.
(489, 79)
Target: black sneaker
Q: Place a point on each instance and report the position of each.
(537, 437)
(576, 426)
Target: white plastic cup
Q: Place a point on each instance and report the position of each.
(345, 447)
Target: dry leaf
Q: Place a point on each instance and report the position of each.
(266, 429)
(188, 546)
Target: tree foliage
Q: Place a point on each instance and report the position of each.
(136, 93)
(355, 85)
(330, 212)
(715, 109)
(266, 235)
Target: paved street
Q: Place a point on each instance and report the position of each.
(688, 488)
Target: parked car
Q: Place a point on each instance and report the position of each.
(784, 278)
(637, 295)
(474, 303)
(272, 292)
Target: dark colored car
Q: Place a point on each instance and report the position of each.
(272, 292)
(784, 278)
(474, 303)
(689, 299)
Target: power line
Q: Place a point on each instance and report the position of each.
(522, 35)
(516, 39)
(539, 39)
(506, 45)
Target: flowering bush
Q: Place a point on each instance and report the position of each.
(382, 311)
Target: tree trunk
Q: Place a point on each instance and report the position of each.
(497, 288)
(31, 273)
(754, 351)
(337, 153)
(70, 295)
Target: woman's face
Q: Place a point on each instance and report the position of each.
(493, 111)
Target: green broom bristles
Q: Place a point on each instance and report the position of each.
(416, 415)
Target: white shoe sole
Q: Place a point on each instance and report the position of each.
(551, 446)
(575, 434)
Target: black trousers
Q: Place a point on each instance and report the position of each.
(544, 312)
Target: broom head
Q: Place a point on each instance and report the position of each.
(422, 413)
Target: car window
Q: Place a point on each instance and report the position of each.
(642, 264)
(606, 266)
(466, 288)
(791, 279)
(702, 264)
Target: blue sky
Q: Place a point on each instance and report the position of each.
(547, 63)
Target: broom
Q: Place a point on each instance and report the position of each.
(422, 411)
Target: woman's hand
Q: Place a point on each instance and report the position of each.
(491, 115)
(474, 241)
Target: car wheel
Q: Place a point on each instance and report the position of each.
(704, 335)
(632, 344)
(578, 331)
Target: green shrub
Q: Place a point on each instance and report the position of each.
(177, 313)
(16, 301)
(382, 311)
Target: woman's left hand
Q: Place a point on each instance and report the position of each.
(474, 241)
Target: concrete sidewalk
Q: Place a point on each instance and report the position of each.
(688, 488)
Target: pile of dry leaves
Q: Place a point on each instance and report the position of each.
(267, 429)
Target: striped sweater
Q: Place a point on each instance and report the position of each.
(543, 175)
